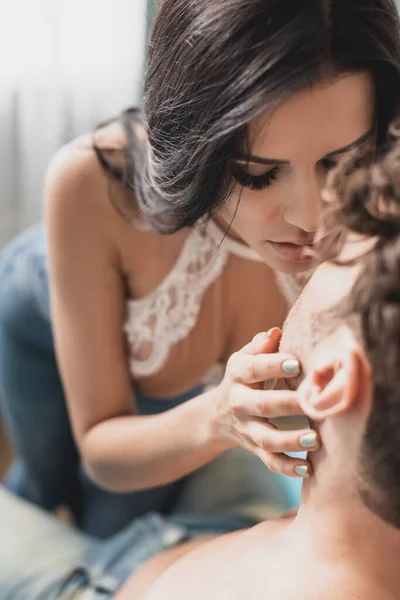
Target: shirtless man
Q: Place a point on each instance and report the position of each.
(345, 540)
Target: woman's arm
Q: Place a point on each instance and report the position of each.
(137, 452)
(122, 451)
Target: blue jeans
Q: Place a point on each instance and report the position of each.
(44, 559)
(48, 472)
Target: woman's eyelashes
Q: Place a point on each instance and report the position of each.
(260, 182)
(255, 182)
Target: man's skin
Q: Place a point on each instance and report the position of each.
(335, 547)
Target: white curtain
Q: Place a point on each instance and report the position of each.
(65, 66)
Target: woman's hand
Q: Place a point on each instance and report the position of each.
(244, 407)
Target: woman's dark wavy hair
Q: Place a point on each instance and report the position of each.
(213, 66)
(365, 198)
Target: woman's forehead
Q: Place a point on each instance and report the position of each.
(316, 120)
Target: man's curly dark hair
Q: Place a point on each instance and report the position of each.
(363, 196)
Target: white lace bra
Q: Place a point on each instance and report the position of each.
(166, 316)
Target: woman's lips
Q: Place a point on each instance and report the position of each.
(294, 252)
(321, 249)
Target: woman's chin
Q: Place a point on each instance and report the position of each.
(292, 269)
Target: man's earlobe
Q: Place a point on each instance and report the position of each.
(332, 388)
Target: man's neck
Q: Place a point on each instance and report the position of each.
(333, 523)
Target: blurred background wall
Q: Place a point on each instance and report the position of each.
(65, 66)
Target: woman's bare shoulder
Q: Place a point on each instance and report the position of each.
(78, 188)
(84, 204)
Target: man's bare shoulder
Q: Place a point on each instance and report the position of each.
(267, 562)
(222, 568)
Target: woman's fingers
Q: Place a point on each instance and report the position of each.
(286, 465)
(265, 342)
(268, 404)
(277, 441)
(246, 408)
(249, 369)
(280, 463)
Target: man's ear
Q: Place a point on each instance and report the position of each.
(335, 386)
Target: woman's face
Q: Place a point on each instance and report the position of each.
(276, 203)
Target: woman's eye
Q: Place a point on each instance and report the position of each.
(255, 182)
(328, 164)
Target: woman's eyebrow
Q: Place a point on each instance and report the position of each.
(263, 160)
(353, 145)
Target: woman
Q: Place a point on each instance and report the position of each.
(165, 237)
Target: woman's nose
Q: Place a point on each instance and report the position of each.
(303, 210)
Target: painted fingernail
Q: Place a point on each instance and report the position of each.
(291, 366)
(309, 440)
(302, 470)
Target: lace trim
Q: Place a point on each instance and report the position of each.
(170, 312)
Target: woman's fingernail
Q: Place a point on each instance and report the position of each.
(291, 366)
(309, 440)
(302, 470)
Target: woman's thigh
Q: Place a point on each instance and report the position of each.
(31, 395)
(104, 513)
